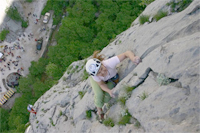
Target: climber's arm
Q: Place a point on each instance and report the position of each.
(130, 55)
(105, 88)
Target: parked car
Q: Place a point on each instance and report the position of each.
(39, 43)
(46, 17)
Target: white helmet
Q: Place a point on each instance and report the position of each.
(92, 66)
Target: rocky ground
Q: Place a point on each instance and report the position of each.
(21, 42)
(167, 96)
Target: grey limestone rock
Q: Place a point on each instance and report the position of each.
(169, 46)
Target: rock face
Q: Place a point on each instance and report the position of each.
(166, 97)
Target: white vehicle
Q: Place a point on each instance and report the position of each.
(1, 55)
(46, 17)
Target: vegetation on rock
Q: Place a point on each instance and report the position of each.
(143, 19)
(143, 96)
(179, 5)
(160, 14)
(81, 94)
(125, 119)
(29, 1)
(146, 2)
(88, 114)
(109, 122)
(162, 79)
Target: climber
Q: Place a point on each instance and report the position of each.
(104, 76)
(30, 109)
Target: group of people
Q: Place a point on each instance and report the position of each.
(42, 29)
(30, 36)
(9, 60)
(34, 15)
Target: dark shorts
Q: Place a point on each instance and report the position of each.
(114, 79)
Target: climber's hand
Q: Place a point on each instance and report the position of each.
(112, 94)
(137, 60)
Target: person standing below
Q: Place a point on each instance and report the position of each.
(30, 109)
(104, 76)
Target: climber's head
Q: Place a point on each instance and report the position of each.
(92, 66)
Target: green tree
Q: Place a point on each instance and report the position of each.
(13, 13)
(72, 29)
(120, 2)
(109, 29)
(79, 49)
(25, 83)
(19, 114)
(126, 8)
(99, 22)
(18, 121)
(108, 11)
(60, 56)
(101, 40)
(39, 88)
(84, 10)
(50, 82)
(110, 8)
(24, 24)
(52, 70)
(29, 1)
(146, 2)
(122, 22)
(4, 115)
(58, 7)
(37, 68)
(3, 34)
